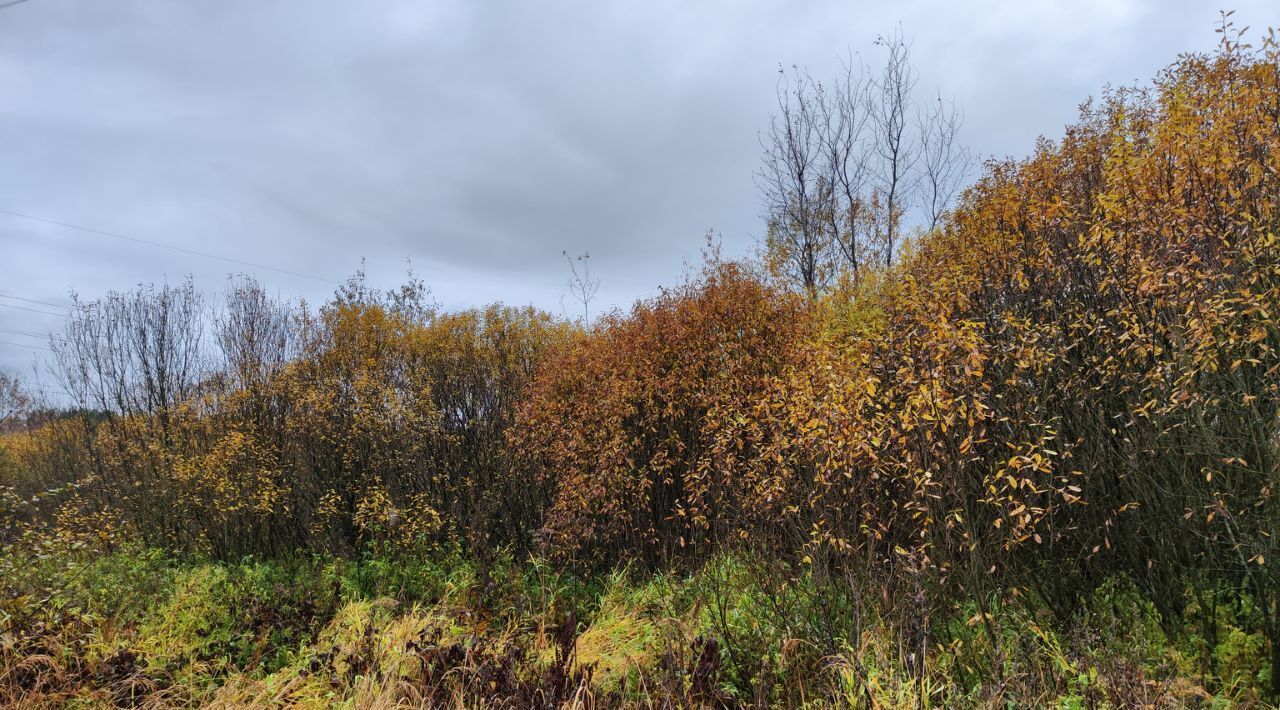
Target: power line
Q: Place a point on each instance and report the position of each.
(33, 310)
(165, 246)
(11, 3)
(32, 300)
(24, 345)
(29, 333)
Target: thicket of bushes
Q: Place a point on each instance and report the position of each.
(374, 421)
(1072, 380)
(1075, 377)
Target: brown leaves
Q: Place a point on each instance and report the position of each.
(653, 426)
(1030, 383)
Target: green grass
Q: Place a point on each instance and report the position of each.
(139, 626)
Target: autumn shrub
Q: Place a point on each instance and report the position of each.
(1119, 289)
(1074, 377)
(376, 422)
(1076, 367)
(400, 425)
(638, 428)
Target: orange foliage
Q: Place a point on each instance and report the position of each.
(1081, 360)
(645, 427)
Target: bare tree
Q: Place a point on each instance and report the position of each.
(796, 183)
(890, 105)
(581, 285)
(257, 333)
(844, 164)
(14, 401)
(944, 163)
(133, 352)
(844, 123)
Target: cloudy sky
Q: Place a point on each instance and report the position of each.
(477, 139)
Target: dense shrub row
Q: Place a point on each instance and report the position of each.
(1075, 377)
(375, 422)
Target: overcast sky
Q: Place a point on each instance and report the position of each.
(478, 139)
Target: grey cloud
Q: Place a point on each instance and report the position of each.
(478, 139)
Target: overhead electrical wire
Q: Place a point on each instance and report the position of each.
(24, 345)
(161, 245)
(29, 333)
(32, 300)
(33, 310)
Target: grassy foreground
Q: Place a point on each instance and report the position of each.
(138, 627)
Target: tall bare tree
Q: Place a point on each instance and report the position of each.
(257, 333)
(890, 105)
(845, 164)
(140, 351)
(582, 286)
(944, 163)
(14, 401)
(844, 123)
(796, 183)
